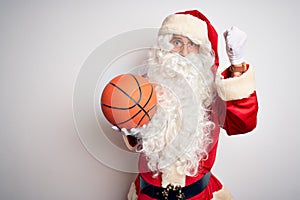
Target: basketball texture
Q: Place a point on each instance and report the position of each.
(128, 101)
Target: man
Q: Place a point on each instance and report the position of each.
(178, 146)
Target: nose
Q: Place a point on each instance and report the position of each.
(184, 51)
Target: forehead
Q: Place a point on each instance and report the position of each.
(180, 37)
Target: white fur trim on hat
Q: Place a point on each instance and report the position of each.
(186, 25)
(237, 87)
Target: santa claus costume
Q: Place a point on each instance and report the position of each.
(178, 146)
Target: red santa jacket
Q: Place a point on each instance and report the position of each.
(235, 110)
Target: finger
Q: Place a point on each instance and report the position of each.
(236, 31)
(134, 131)
(125, 131)
(231, 31)
(115, 128)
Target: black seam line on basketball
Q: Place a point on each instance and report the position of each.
(136, 115)
(148, 112)
(145, 112)
(129, 118)
(123, 122)
(145, 106)
(141, 95)
(145, 115)
(136, 103)
(117, 108)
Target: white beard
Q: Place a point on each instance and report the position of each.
(180, 130)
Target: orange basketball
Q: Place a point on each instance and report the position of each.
(128, 101)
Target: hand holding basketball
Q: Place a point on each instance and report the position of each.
(128, 101)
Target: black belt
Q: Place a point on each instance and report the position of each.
(172, 192)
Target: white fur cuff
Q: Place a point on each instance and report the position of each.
(237, 87)
(132, 193)
(222, 194)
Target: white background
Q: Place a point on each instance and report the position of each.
(43, 45)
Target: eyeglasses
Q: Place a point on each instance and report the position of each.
(179, 44)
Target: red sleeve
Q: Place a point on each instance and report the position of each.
(241, 115)
(238, 116)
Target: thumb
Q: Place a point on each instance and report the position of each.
(115, 128)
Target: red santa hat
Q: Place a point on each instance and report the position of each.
(195, 26)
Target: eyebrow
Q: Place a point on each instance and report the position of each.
(176, 38)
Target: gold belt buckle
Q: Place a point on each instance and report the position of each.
(170, 187)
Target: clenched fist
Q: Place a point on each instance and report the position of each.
(235, 40)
